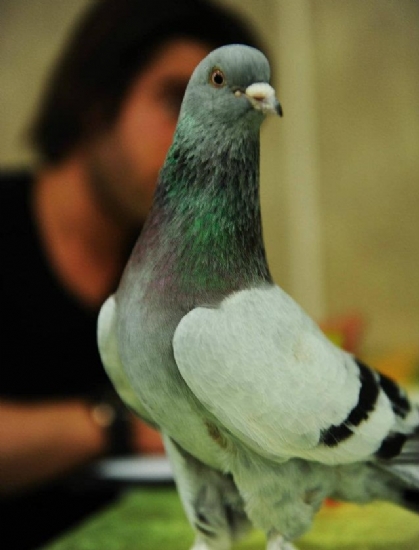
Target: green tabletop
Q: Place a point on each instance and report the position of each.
(152, 519)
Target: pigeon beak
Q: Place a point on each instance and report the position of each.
(262, 97)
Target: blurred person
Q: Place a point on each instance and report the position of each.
(67, 226)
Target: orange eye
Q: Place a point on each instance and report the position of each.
(217, 78)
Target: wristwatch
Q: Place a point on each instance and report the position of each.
(110, 413)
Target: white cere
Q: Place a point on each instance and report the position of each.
(260, 91)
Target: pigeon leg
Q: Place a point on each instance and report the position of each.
(210, 499)
(277, 542)
(281, 499)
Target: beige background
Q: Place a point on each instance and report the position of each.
(340, 172)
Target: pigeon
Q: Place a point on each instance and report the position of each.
(262, 416)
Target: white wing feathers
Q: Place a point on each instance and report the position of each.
(269, 375)
(109, 353)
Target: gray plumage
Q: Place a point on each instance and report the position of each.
(262, 416)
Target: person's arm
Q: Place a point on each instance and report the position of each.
(40, 442)
(146, 440)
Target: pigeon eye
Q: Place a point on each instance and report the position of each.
(217, 78)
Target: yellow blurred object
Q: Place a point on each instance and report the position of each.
(345, 331)
(399, 365)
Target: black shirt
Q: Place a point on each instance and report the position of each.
(48, 351)
(48, 337)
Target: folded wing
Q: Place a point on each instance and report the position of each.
(261, 366)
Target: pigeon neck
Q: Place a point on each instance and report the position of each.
(207, 214)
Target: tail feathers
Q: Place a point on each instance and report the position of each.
(407, 474)
(410, 450)
(404, 480)
(404, 472)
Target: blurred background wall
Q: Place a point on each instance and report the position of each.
(340, 172)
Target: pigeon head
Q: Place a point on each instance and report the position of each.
(231, 85)
(205, 225)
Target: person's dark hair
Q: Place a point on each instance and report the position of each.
(108, 49)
